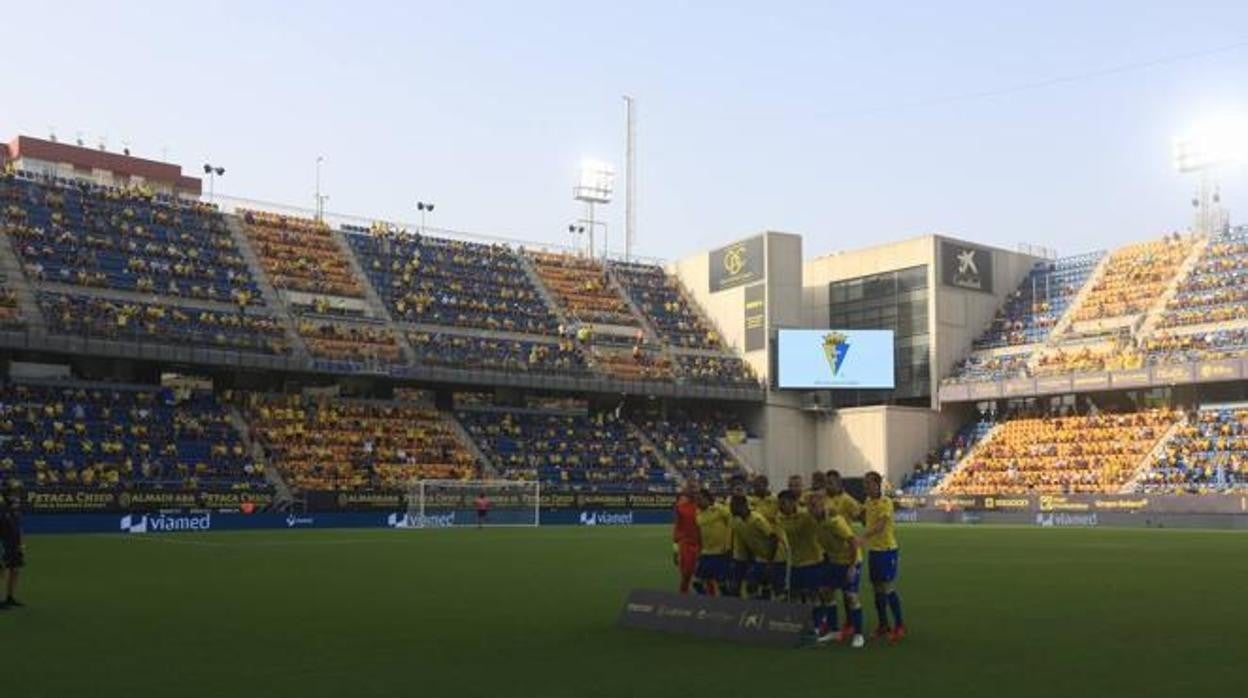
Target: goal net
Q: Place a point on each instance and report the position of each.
(451, 503)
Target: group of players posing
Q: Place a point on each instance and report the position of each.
(798, 546)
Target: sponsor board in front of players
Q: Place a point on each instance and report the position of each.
(164, 523)
(606, 518)
(398, 520)
(292, 521)
(906, 516)
(1059, 519)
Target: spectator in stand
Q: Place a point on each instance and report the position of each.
(1091, 454)
(342, 445)
(450, 282)
(127, 239)
(300, 254)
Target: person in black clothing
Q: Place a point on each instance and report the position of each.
(12, 558)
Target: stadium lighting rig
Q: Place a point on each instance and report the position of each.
(425, 209)
(595, 186)
(1210, 145)
(213, 171)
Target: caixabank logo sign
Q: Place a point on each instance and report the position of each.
(163, 523)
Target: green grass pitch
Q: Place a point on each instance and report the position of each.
(530, 612)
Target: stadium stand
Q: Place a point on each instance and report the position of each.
(576, 450)
(1096, 454)
(103, 318)
(449, 282)
(104, 436)
(356, 344)
(984, 366)
(1135, 277)
(664, 304)
(125, 239)
(474, 352)
(715, 370)
(1032, 310)
(336, 444)
(691, 443)
(1216, 291)
(582, 287)
(1207, 453)
(939, 463)
(300, 254)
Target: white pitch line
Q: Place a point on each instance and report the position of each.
(177, 541)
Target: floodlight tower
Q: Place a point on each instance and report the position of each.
(1210, 146)
(596, 185)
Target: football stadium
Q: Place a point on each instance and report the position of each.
(258, 447)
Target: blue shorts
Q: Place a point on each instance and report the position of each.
(741, 570)
(778, 576)
(713, 567)
(808, 577)
(773, 574)
(883, 565)
(840, 578)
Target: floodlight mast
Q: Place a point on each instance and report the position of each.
(1210, 146)
(596, 185)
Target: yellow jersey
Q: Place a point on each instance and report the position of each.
(845, 505)
(766, 505)
(800, 530)
(715, 527)
(880, 510)
(835, 536)
(756, 535)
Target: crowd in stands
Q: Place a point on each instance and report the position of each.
(1208, 453)
(928, 473)
(598, 450)
(474, 352)
(1120, 355)
(1031, 311)
(661, 300)
(103, 318)
(125, 239)
(1098, 453)
(982, 366)
(1166, 348)
(104, 437)
(451, 282)
(1136, 276)
(339, 444)
(691, 443)
(1217, 288)
(300, 254)
(355, 342)
(582, 286)
(715, 370)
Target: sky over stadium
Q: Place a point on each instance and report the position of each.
(1041, 122)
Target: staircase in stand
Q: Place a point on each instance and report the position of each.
(283, 498)
(967, 457)
(273, 302)
(1149, 458)
(489, 469)
(1158, 309)
(15, 279)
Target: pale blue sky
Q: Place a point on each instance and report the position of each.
(827, 119)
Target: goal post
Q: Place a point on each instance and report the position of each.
(453, 503)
